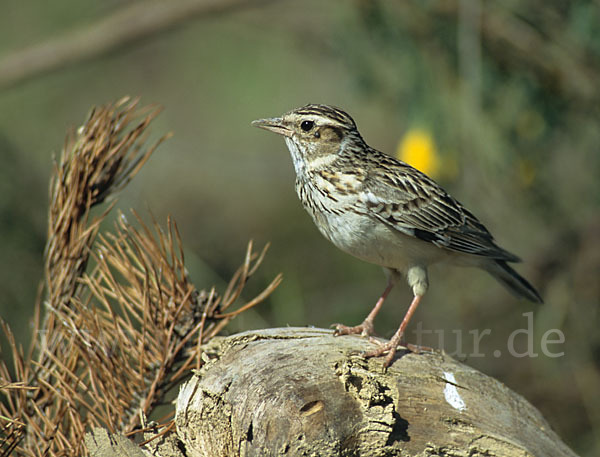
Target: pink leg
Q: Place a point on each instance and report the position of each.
(392, 346)
(367, 327)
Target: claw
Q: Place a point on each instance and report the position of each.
(390, 348)
(417, 349)
(364, 329)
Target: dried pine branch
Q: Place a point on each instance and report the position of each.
(116, 340)
(101, 158)
(155, 315)
(12, 429)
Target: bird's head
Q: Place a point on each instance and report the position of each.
(314, 134)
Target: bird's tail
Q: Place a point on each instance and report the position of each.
(513, 281)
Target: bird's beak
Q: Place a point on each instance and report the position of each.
(274, 124)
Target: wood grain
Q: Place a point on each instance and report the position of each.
(301, 391)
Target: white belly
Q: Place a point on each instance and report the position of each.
(374, 242)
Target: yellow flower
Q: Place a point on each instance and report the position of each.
(418, 149)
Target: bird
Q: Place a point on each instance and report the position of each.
(383, 211)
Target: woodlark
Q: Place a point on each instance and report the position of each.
(384, 211)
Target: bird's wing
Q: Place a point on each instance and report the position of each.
(410, 202)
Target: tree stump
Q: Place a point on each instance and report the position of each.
(304, 392)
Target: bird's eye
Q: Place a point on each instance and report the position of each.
(307, 125)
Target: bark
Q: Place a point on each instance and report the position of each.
(300, 391)
(303, 392)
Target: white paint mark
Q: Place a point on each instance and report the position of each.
(451, 393)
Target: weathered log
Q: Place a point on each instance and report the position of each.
(304, 392)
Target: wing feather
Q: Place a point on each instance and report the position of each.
(412, 203)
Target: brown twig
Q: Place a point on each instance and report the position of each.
(128, 25)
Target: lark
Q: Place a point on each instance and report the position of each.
(384, 211)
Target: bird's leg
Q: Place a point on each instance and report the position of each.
(367, 328)
(396, 340)
(417, 280)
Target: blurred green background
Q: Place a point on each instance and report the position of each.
(498, 101)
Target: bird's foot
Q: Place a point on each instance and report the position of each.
(364, 329)
(390, 348)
